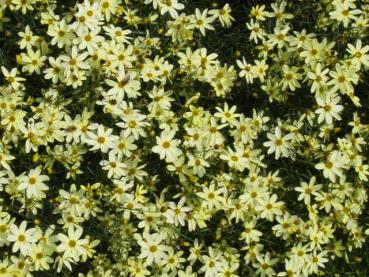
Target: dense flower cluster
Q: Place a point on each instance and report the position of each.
(124, 153)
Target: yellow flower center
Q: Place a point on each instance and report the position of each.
(278, 142)
(100, 140)
(329, 164)
(88, 37)
(32, 180)
(72, 243)
(327, 108)
(166, 144)
(153, 248)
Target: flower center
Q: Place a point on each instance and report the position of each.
(153, 248)
(329, 164)
(32, 180)
(72, 243)
(166, 144)
(278, 142)
(100, 139)
(327, 108)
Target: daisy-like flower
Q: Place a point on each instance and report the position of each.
(293, 267)
(224, 15)
(235, 159)
(11, 77)
(359, 53)
(72, 245)
(161, 100)
(290, 78)
(307, 190)
(257, 31)
(342, 79)
(152, 249)
(259, 13)
(103, 140)
(167, 147)
(250, 233)
(212, 134)
(88, 16)
(108, 8)
(312, 51)
(318, 77)
(213, 263)
(124, 84)
(176, 213)
(202, 21)
(357, 125)
(121, 56)
(329, 108)
(343, 13)
(280, 36)
(260, 69)
(264, 265)
(279, 12)
(23, 239)
(55, 72)
(4, 160)
(269, 207)
(33, 183)
(117, 33)
(133, 170)
(61, 34)
(197, 164)
(316, 261)
(212, 197)
(247, 70)
(134, 124)
(333, 166)
(89, 40)
(227, 115)
(114, 166)
(74, 62)
(278, 144)
(170, 6)
(41, 257)
(361, 169)
(32, 61)
(28, 39)
(124, 146)
(23, 5)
